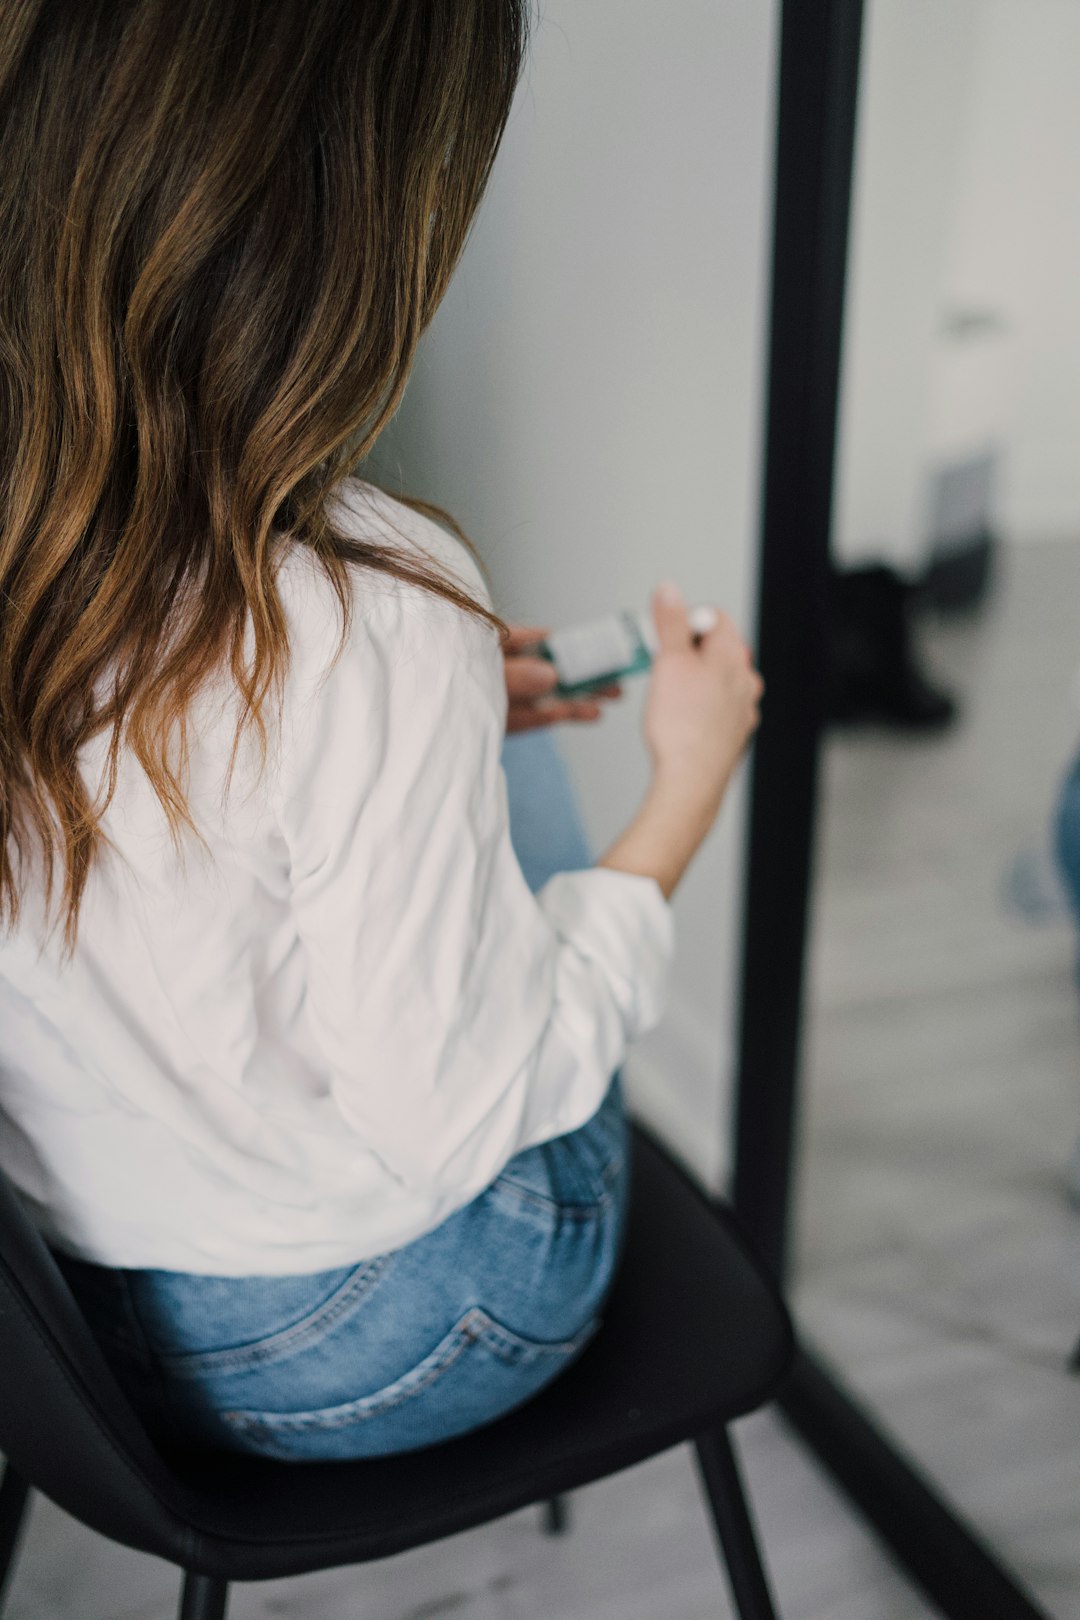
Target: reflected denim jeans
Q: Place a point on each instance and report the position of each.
(416, 1345)
(1067, 835)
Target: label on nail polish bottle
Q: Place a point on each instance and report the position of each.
(602, 651)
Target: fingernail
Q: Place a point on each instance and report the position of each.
(670, 593)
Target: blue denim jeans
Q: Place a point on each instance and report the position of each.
(1067, 834)
(418, 1344)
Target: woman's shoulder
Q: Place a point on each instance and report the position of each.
(363, 511)
(360, 506)
(391, 617)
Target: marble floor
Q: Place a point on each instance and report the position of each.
(937, 1252)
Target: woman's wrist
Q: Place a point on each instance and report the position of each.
(685, 793)
(662, 839)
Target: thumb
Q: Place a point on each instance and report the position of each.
(670, 617)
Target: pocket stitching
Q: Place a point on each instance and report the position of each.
(475, 1326)
(523, 1194)
(195, 1363)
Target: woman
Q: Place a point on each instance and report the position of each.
(315, 1096)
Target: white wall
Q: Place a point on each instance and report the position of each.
(966, 201)
(588, 404)
(1015, 248)
(916, 85)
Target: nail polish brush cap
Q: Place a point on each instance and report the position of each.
(702, 619)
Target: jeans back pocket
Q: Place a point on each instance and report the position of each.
(478, 1371)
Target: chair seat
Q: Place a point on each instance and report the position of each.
(694, 1334)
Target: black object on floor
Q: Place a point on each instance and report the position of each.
(873, 666)
(694, 1335)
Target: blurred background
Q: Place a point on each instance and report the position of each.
(588, 404)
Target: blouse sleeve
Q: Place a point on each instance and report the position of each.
(461, 1017)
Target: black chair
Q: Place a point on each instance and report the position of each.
(694, 1335)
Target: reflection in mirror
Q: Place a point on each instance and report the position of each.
(939, 1211)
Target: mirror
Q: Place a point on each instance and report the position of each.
(938, 1215)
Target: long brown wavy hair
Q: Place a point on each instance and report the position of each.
(224, 225)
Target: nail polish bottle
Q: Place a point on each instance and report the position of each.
(603, 651)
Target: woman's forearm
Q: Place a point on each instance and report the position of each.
(665, 834)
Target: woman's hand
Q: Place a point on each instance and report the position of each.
(529, 681)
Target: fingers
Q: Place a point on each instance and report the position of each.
(525, 635)
(548, 712)
(670, 617)
(529, 677)
(725, 641)
(706, 626)
(553, 709)
(523, 714)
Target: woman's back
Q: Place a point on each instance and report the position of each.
(312, 1042)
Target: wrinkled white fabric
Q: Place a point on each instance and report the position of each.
(315, 1041)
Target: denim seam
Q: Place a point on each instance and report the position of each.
(354, 1411)
(194, 1363)
(474, 1326)
(551, 1206)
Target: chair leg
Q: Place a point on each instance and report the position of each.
(13, 1497)
(557, 1515)
(203, 1598)
(734, 1527)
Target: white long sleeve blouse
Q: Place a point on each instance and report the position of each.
(315, 1040)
